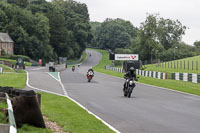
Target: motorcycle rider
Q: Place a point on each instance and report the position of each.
(90, 69)
(73, 68)
(129, 76)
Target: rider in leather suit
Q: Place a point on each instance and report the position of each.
(129, 76)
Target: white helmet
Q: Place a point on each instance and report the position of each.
(90, 67)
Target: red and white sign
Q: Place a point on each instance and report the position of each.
(126, 56)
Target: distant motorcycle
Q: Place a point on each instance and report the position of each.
(128, 87)
(73, 68)
(90, 75)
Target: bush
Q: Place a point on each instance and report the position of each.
(118, 63)
(3, 53)
(14, 57)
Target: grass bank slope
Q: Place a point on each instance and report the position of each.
(186, 65)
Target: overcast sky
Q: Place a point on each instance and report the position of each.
(186, 11)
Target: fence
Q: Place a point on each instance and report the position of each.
(192, 77)
(13, 127)
(158, 75)
(176, 64)
(108, 67)
(183, 64)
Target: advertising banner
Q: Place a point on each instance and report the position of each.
(126, 57)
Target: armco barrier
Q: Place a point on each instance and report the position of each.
(158, 75)
(108, 67)
(192, 77)
(13, 128)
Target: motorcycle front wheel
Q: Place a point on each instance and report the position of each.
(130, 91)
(125, 92)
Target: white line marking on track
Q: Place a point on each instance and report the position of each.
(37, 68)
(111, 127)
(54, 77)
(63, 87)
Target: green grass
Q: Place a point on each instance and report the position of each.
(164, 66)
(182, 86)
(69, 116)
(84, 55)
(66, 113)
(31, 129)
(14, 61)
(6, 68)
(187, 87)
(16, 80)
(3, 118)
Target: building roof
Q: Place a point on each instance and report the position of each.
(4, 37)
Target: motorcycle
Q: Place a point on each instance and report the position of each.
(90, 75)
(128, 87)
(73, 68)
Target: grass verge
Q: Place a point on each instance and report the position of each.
(31, 129)
(14, 61)
(69, 116)
(187, 87)
(3, 118)
(16, 80)
(6, 68)
(192, 65)
(66, 113)
(84, 55)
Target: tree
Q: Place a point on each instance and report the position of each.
(20, 3)
(95, 28)
(197, 44)
(77, 23)
(30, 32)
(60, 38)
(3, 20)
(158, 34)
(169, 32)
(115, 34)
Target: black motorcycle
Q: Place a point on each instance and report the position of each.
(73, 68)
(128, 87)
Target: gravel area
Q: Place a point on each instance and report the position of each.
(53, 126)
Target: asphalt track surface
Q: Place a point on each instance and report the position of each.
(149, 110)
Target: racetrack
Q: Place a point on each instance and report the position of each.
(149, 110)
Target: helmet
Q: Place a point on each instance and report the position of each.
(132, 69)
(90, 67)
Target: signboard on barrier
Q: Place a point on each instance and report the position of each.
(126, 57)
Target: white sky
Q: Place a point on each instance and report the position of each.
(186, 11)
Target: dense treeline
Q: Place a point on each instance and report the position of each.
(113, 33)
(46, 30)
(156, 38)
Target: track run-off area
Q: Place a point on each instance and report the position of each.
(149, 110)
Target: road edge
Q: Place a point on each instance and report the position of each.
(67, 96)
